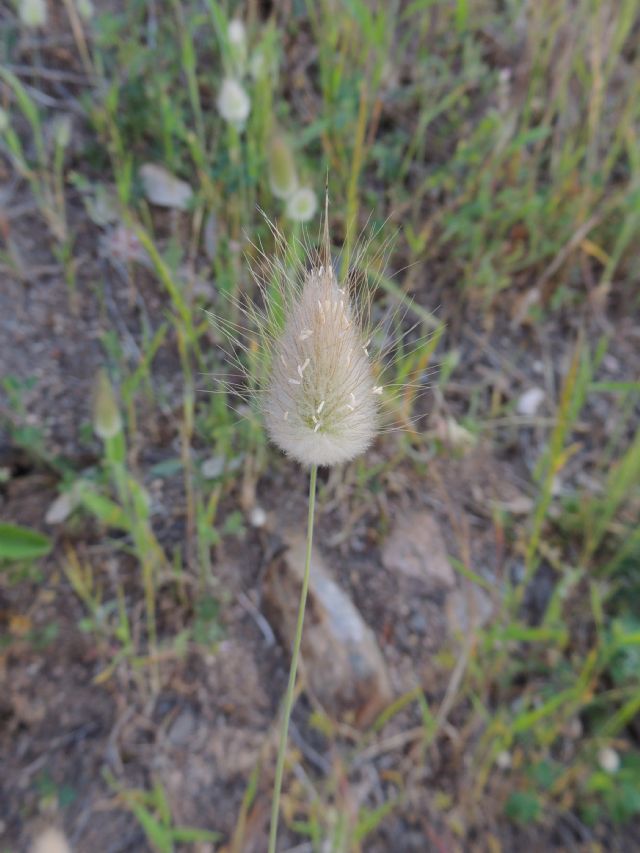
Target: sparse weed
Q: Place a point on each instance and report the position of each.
(41, 164)
(153, 812)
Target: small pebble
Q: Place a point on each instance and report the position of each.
(503, 760)
(51, 841)
(529, 403)
(258, 516)
(213, 467)
(61, 508)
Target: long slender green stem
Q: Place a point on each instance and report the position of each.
(295, 654)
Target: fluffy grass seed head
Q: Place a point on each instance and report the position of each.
(237, 33)
(86, 9)
(319, 399)
(233, 102)
(107, 422)
(283, 178)
(302, 205)
(33, 13)
(237, 37)
(321, 402)
(609, 759)
(322, 378)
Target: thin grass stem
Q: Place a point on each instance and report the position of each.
(288, 701)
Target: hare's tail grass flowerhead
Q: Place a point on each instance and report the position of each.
(301, 205)
(320, 400)
(320, 405)
(33, 13)
(319, 374)
(233, 102)
(283, 178)
(107, 422)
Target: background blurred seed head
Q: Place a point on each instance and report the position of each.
(62, 131)
(237, 37)
(86, 9)
(33, 13)
(283, 178)
(233, 102)
(302, 205)
(107, 422)
(237, 34)
(609, 759)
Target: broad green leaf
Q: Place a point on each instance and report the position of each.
(21, 543)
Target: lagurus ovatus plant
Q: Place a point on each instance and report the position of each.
(318, 389)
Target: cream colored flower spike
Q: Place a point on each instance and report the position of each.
(321, 404)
